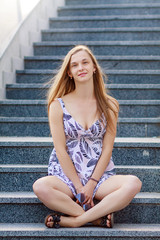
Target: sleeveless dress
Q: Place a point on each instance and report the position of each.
(84, 148)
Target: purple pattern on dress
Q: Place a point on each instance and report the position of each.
(84, 148)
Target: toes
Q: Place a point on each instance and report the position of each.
(50, 222)
(50, 219)
(108, 223)
(109, 220)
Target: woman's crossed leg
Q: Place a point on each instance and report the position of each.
(114, 194)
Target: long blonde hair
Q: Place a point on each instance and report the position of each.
(63, 84)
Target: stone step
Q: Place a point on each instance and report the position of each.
(112, 21)
(37, 150)
(102, 34)
(119, 91)
(23, 161)
(109, 9)
(34, 76)
(120, 231)
(92, 2)
(14, 176)
(99, 47)
(38, 126)
(24, 207)
(114, 76)
(106, 62)
(38, 108)
(23, 108)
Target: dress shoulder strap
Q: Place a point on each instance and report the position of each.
(62, 104)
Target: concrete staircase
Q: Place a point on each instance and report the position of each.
(125, 37)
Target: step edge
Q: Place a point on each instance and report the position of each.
(95, 43)
(30, 197)
(124, 230)
(44, 102)
(128, 72)
(28, 168)
(108, 85)
(110, 17)
(120, 29)
(45, 120)
(98, 57)
(47, 141)
(102, 6)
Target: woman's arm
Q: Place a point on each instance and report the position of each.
(108, 143)
(59, 140)
(104, 159)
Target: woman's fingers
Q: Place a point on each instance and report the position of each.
(88, 200)
(92, 203)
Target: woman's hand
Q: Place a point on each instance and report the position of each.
(87, 190)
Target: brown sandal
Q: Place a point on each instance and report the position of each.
(56, 219)
(104, 221)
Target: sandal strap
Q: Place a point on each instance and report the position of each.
(56, 219)
(104, 221)
(56, 225)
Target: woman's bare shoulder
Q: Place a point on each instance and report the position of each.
(55, 108)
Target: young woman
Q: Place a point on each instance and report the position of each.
(83, 122)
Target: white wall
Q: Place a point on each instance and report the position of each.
(12, 13)
(19, 28)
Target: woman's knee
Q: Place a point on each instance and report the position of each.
(134, 184)
(40, 186)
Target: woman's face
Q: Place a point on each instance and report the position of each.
(81, 67)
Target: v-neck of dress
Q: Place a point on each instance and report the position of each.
(86, 130)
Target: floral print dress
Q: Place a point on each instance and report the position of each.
(84, 148)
